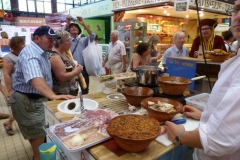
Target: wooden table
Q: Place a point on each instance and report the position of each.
(100, 152)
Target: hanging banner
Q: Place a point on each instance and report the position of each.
(181, 5)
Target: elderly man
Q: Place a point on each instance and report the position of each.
(32, 86)
(78, 44)
(218, 134)
(178, 50)
(116, 54)
(211, 41)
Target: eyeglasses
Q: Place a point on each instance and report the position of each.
(233, 12)
(204, 29)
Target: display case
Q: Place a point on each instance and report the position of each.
(131, 34)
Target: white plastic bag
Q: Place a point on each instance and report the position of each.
(92, 56)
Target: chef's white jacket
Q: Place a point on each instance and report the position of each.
(219, 126)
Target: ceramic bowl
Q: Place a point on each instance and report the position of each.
(135, 95)
(159, 115)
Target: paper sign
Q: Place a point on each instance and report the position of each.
(181, 5)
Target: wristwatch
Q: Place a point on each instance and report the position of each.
(178, 137)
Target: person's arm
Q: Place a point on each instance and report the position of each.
(166, 53)
(195, 46)
(8, 67)
(81, 21)
(58, 68)
(105, 60)
(157, 56)
(219, 43)
(41, 86)
(124, 61)
(135, 60)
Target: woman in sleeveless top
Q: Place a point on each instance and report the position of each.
(4, 42)
(142, 57)
(64, 71)
(9, 66)
(155, 55)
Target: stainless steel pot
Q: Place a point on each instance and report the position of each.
(147, 75)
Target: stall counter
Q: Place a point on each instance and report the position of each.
(99, 151)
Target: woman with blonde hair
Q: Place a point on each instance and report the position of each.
(155, 55)
(64, 70)
(9, 65)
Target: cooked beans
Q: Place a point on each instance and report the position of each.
(134, 127)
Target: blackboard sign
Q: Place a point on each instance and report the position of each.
(182, 68)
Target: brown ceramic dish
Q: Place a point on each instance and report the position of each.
(169, 86)
(219, 57)
(135, 95)
(133, 133)
(158, 115)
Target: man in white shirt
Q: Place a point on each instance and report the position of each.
(178, 50)
(218, 135)
(116, 54)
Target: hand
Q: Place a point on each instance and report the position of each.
(162, 130)
(195, 54)
(172, 130)
(80, 20)
(103, 64)
(65, 97)
(192, 112)
(78, 69)
(124, 69)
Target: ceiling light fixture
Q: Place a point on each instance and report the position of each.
(168, 14)
(187, 16)
(164, 11)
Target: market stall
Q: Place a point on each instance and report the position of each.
(156, 149)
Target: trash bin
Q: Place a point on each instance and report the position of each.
(48, 151)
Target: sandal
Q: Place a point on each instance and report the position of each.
(8, 129)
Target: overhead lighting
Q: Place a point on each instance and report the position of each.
(164, 11)
(187, 16)
(151, 16)
(201, 14)
(168, 14)
(139, 10)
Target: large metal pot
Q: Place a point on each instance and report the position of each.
(147, 75)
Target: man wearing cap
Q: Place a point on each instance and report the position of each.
(32, 86)
(211, 41)
(78, 44)
(218, 133)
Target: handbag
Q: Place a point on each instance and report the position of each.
(92, 56)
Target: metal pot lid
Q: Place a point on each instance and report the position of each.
(147, 68)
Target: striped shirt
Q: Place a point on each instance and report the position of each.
(32, 63)
(82, 44)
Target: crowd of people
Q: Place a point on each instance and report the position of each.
(48, 69)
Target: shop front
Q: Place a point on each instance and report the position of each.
(157, 17)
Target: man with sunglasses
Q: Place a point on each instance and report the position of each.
(32, 86)
(211, 41)
(218, 134)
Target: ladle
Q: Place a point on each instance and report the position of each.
(71, 105)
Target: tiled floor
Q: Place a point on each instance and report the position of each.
(16, 147)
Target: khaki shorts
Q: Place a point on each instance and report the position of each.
(29, 114)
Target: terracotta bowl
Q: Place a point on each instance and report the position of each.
(219, 57)
(135, 95)
(133, 133)
(169, 86)
(158, 115)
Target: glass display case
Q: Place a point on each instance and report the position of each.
(131, 34)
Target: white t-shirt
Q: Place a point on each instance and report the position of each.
(234, 46)
(219, 126)
(115, 52)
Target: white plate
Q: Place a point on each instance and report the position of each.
(88, 105)
(116, 96)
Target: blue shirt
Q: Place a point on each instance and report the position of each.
(174, 52)
(32, 63)
(82, 44)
